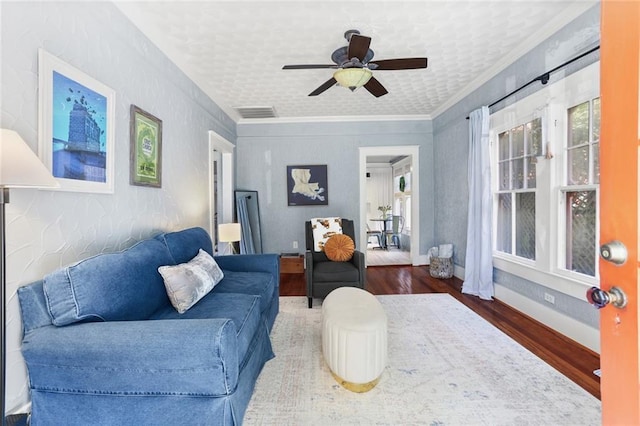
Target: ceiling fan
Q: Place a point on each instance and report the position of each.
(354, 66)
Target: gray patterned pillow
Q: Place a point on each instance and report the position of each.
(187, 283)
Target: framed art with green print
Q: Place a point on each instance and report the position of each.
(146, 149)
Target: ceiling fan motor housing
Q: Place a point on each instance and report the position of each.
(341, 57)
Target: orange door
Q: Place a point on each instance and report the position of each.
(619, 151)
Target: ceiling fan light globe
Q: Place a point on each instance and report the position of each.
(352, 78)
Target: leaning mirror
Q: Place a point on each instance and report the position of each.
(248, 215)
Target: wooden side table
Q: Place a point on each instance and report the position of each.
(291, 264)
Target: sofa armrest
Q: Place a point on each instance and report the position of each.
(251, 263)
(308, 271)
(172, 357)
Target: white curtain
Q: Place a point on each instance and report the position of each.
(478, 269)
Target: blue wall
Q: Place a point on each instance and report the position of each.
(264, 151)
(451, 139)
(50, 229)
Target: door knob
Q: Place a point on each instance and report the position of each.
(614, 252)
(601, 298)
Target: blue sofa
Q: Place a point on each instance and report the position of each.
(104, 346)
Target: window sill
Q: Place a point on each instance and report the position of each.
(562, 281)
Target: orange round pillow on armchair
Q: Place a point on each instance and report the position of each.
(339, 248)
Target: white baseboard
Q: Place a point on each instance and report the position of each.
(573, 329)
(563, 324)
(458, 272)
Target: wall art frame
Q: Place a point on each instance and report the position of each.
(307, 185)
(146, 149)
(76, 126)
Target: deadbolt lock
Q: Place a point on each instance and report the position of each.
(614, 252)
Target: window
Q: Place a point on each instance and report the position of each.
(402, 193)
(517, 151)
(580, 190)
(545, 171)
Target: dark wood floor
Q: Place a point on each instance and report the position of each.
(565, 355)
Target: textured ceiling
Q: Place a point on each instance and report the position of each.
(235, 50)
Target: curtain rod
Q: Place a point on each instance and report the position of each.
(544, 78)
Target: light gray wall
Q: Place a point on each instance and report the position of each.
(265, 150)
(48, 229)
(451, 139)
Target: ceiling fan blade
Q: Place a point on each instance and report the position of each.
(308, 66)
(358, 47)
(326, 85)
(375, 88)
(400, 64)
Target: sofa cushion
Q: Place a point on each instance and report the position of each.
(189, 282)
(242, 309)
(184, 245)
(335, 271)
(109, 287)
(255, 283)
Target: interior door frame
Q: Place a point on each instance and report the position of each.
(226, 183)
(414, 152)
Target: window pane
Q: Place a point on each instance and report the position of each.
(531, 172)
(407, 182)
(596, 119)
(517, 168)
(534, 137)
(396, 183)
(503, 177)
(581, 232)
(518, 141)
(526, 225)
(503, 145)
(578, 125)
(578, 162)
(596, 162)
(503, 233)
(407, 213)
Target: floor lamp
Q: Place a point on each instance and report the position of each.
(19, 168)
(229, 233)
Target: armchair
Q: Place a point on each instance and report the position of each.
(324, 275)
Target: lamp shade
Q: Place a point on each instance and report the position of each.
(19, 166)
(229, 232)
(352, 78)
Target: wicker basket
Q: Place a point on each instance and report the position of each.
(441, 267)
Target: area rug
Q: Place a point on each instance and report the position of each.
(447, 366)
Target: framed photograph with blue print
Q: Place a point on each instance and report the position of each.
(307, 185)
(76, 126)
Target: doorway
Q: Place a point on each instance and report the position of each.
(389, 199)
(220, 185)
(412, 154)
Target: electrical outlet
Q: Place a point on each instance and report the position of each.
(549, 298)
(295, 244)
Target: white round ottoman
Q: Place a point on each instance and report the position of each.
(354, 337)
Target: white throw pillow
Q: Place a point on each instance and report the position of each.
(189, 282)
(323, 229)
